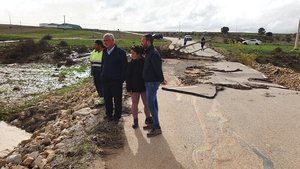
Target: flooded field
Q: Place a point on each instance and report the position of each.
(23, 81)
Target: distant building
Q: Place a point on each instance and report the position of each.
(64, 25)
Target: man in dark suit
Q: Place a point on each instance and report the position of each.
(113, 75)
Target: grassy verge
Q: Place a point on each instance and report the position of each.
(281, 55)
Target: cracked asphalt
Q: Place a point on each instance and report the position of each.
(257, 128)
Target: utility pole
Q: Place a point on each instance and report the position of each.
(9, 19)
(297, 36)
(64, 19)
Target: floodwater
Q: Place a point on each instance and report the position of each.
(19, 82)
(10, 137)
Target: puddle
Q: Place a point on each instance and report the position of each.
(10, 137)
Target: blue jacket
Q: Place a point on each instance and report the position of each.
(114, 65)
(152, 71)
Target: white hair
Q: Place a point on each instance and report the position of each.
(109, 35)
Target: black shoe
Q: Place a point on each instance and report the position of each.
(149, 120)
(154, 132)
(148, 127)
(135, 123)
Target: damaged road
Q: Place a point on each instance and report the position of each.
(256, 127)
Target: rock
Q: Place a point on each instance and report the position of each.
(40, 161)
(80, 106)
(46, 141)
(64, 124)
(2, 163)
(28, 161)
(59, 145)
(16, 122)
(16, 88)
(15, 159)
(65, 132)
(49, 155)
(24, 142)
(34, 154)
(19, 167)
(83, 112)
(59, 139)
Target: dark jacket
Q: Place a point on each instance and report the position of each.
(153, 66)
(134, 76)
(114, 65)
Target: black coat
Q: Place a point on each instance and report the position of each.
(134, 76)
(153, 66)
(114, 65)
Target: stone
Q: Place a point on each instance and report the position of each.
(46, 141)
(83, 112)
(28, 161)
(50, 155)
(2, 163)
(19, 167)
(59, 145)
(40, 161)
(59, 139)
(16, 122)
(15, 159)
(24, 142)
(34, 154)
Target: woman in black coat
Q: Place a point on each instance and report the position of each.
(135, 84)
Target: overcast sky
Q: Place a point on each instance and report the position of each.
(280, 16)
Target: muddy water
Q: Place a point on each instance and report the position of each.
(10, 137)
(23, 81)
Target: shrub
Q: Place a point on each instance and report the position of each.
(63, 43)
(47, 37)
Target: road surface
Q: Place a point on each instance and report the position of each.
(256, 128)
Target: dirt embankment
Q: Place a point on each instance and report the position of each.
(67, 132)
(282, 76)
(29, 51)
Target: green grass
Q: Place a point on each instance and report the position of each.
(284, 57)
(260, 50)
(55, 33)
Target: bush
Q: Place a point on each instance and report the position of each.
(43, 45)
(63, 43)
(277, 50)
(269, 34)
(19, 52)
(82, 49)
(226, 40)
(58, 55)
(225, 30)
(261, 31)
(47, 37)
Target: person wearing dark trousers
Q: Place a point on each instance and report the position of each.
(135, 85)
(113, 76)
(96, 69)
(153, 77)
(202, 43)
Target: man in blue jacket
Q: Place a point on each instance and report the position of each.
(153, 77)
(113, 76)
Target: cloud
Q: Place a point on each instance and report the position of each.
(159, 15)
